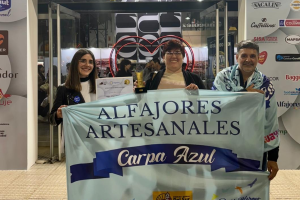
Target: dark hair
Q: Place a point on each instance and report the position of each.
(173, 44)
(73, 79)
(124, 63)
(39, 68)
(40, 73)
(68, 65)
(247, 44)
(156, 60)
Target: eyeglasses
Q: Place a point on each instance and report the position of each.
(176, 53)
(91, 62)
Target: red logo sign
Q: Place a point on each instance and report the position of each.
(3, 42)
(5, 100)
(292, 77)
(1, 39)
(266, 39)
(262, 57)
(292, 22)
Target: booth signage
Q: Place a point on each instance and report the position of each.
(289, 23)
(295, 5)
(288, 57)
(13, 85)
(263, 24)
(292, 39)
(3, 42)
(281, 65)
(266, 4)
(5, 5)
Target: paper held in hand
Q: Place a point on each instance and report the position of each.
(110, 87)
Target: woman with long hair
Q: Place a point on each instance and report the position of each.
(80, 86)
(124, 71)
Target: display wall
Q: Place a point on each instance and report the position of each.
(149, 26)
(275, 26)
(13, 85)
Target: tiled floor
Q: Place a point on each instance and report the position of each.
(42, 181)
(48, 181)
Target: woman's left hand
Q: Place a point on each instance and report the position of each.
(192, 86)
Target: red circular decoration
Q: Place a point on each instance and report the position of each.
(151, 43)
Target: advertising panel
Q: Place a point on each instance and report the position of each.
(13, 85)
(275, 26)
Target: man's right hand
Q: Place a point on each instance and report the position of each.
(251, 89)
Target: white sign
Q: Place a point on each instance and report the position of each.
(292, 39)
(266, 4)
(111, 87)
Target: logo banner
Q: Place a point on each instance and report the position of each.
(170, 144)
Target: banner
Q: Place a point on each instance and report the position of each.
(275, 26)
(13, 85)
(170, 144)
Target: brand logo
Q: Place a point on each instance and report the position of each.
(271, 136)
(281, 22)
(289, 22)
(263, 24)
(295, 5)
(5, 5)
(283, 104)
(4, 99)
(266, 4)
(77, 99)
(265, 39)
(292, 77)
(273, 78)
(1, 39)
(262, 57)
(174, 195)
(3, 42)
(287, 57)
(292, 39)
(295, 92)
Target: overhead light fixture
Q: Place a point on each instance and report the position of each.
(200, 0)
(187, 17)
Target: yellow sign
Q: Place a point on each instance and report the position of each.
(295, 5)
(173, 195)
